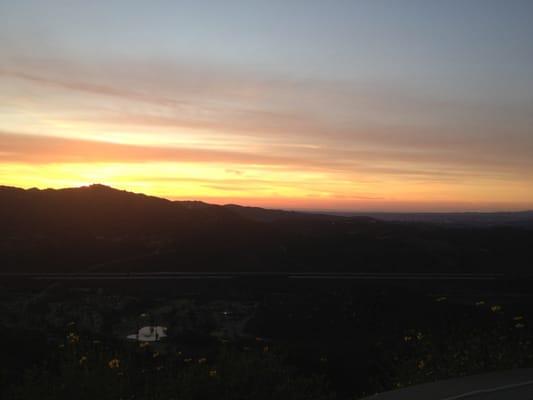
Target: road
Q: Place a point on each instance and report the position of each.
(508, 385)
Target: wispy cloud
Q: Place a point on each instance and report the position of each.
(352, 140)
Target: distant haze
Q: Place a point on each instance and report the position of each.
(395, 105)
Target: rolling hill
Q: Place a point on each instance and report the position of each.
(98, 228)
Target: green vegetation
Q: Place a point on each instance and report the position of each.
(81, 369)
(253, 340)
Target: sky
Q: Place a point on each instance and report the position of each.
(398, 105)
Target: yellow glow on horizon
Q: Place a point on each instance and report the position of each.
(259, 185)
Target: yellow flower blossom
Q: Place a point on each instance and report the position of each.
(114, 363)
(73, 338)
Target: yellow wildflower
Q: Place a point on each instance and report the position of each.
(73, 338)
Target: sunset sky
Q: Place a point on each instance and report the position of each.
(339, 105)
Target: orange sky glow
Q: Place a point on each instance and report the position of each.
(354, 134)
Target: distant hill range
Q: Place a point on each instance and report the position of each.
(98, 228)
(481, 219)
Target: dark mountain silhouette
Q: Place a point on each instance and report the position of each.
(98, 228)
(480, 219)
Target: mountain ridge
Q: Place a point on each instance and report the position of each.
(101, 228)
(437, 216)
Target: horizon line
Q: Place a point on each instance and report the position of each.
(340, 212)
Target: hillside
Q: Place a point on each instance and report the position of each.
(98, 228)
